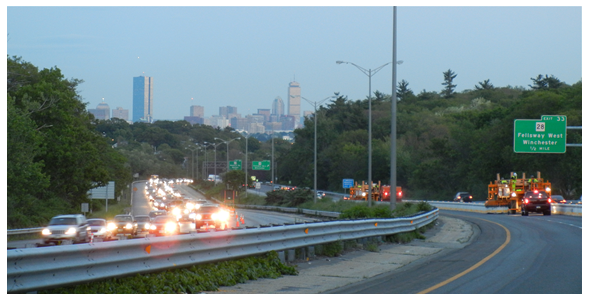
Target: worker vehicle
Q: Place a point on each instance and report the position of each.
(536, 201)
(509, 192)
(385, 193)
(72, 228)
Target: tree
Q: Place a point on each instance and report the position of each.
(545, 83)
(448, 77)
(484, 85)
(403, 93)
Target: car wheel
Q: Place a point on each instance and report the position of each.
(547, 213)
(526, 213)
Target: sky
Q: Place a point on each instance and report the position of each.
(245, 56)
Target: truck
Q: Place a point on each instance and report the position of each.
(379, 192)
(509, 192)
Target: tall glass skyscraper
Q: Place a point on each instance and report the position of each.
(277, 108)
(143, 99)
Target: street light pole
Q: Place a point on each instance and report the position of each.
(315, 104)
(369, 73)
(227, 142)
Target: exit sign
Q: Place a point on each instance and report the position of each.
(546, 135)
(235, 165)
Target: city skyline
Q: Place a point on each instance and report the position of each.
(243, 56)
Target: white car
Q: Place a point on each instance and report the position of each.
(71, 228)
(99, 229)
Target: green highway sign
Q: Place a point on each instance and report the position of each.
(261, 165)
(546, 135)
(235, 165)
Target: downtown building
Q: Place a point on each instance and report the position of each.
(143, 99)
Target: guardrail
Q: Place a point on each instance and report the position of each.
(31, 269)
(292, 210)
(22, 231)
(478, 207)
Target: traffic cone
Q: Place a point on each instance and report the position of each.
(237, 223)
(242, 218)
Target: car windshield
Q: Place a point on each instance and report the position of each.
(142, 219)
(63, 221)
(97, 222)
(163, 219)
(123, 218)
(154, 214)
(540, 194)
(557, 197)
(208, 209)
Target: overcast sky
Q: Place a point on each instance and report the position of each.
(246, 56)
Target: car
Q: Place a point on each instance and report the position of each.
(536, 201)
(123, 224)
(159, 204)
(211, 215)
(463, 197)
(72, 228)
(99, 228)
(558, 199)
(154, 214)
(164, 225)
(143, 224)
(320, 194)
(577, 201)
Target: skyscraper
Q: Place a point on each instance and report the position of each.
(101, 111)
(143, 99)
(121, 113)
(278, 107)
(197, 111)
(294, 99)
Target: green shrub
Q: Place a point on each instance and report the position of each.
(356, 212)
(332, 249)
(193, 279)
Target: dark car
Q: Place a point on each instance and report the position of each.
(154, 214)
(211, 215)
(143, 224)
(164, 225)
(558, 199)
(536, 201)
(123, 224)
(463, 197)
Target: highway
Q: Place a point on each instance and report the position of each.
(511, 254)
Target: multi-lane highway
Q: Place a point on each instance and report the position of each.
(510, 255)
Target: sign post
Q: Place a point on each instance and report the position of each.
(544, 136)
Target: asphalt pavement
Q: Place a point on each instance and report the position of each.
(322, 274)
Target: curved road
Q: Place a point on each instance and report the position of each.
(511, 254)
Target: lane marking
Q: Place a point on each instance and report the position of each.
(507, 240)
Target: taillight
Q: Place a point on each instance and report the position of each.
(526, 201)
(400, 193)
(470, 196)
(386, 193)
(549, 200)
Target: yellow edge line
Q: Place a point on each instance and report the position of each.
(507, 240)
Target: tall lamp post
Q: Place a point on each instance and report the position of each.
(369, 73)
(315, 104)
(227, 142)
(192, 161)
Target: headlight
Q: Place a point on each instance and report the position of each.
(111, 226)
(198, 217)
(103, 230)
(71, 231)
(513, 194)
(46, 232)
(153, 227)
(176, 211)
(191, 216)
(190, 206)
(223, 215)
(128, 226)
(170, 227)
(363, 194)
(161, 204)
(147, 226)
(547, 189)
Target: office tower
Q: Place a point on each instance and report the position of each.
(294, 99)
(121, 113)
(101, 111)
(197, 111)
(265, 112)
(143, 99)
(224, 111)
(278, 107)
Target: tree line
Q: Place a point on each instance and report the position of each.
(446, 142)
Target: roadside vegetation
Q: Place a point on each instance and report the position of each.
(447, 141)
